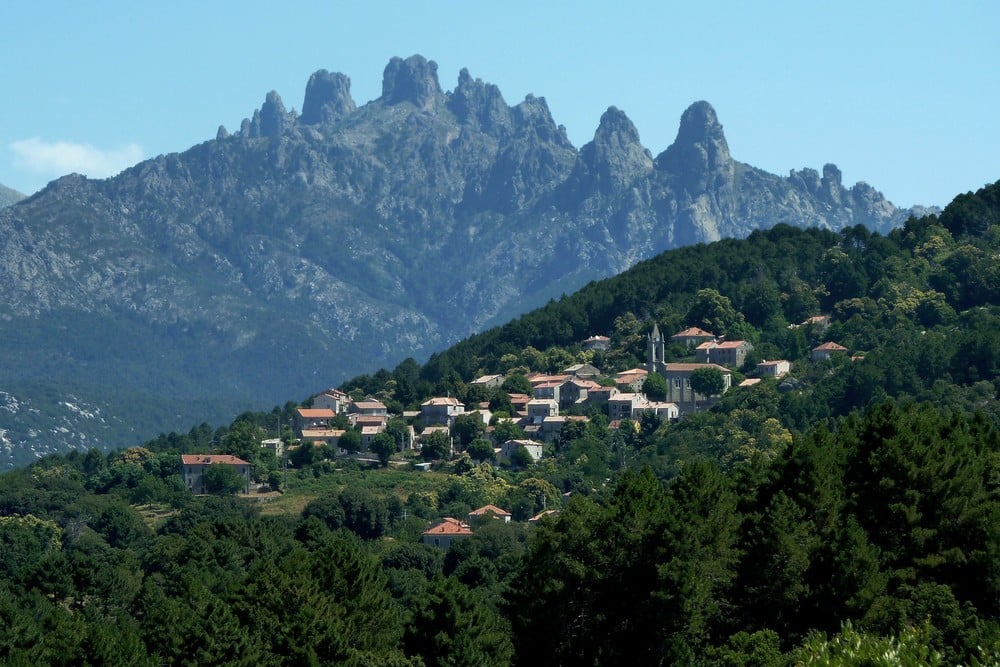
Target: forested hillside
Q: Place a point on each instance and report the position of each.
(843, 514)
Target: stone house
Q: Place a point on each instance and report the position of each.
(487, 511)
(193, 467)
(775, 368)
(445, 532)
(369, 406)
(540, 408)
(441, 411)
(826, 350)
(690, 336)
(332, 399)
(313, 418)
(534, 448)
(678, 377)
(596, 343)
(487, 381)
(732, 353)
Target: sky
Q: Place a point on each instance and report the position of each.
(901, 95)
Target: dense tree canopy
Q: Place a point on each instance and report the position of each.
(841, 513)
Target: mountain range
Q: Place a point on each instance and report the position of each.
(304, 248)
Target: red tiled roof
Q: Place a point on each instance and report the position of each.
(441, 400)
(832, 347)
(316, 413)
(538, 379)
(208, 459)
(729, 344)
(369, 405)
(692, 332)
(489, 509)
(543, 513)
(683, 368)
(449, 526)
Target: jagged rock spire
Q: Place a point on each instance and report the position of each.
(615, 157)
(412, 80)
(700, 153)
(328, 97)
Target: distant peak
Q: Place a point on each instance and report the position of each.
(615, 122)
(412, 80)
(699, 123)
(272, 115)
(699, 150)
(328, 96)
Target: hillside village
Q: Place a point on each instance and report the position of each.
(521, 416)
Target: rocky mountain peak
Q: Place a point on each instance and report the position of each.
(699, 151)
(412, 80)
(479, 104)
(533, 115)
(615, 157)
(268, 121)
(328, 97)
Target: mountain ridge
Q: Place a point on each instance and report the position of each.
(302, 249)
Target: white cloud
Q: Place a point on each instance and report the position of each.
(56, 158)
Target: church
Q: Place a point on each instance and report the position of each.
(678, 375)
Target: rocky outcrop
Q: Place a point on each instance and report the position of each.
(301, 250)
(413, 80)
(328, 97)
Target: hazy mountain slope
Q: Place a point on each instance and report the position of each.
(9, 196)
(302, 249)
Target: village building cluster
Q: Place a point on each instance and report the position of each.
(542, 413)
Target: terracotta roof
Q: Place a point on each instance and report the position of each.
(489, 509)
(543, 513)
(538, 379)
(687, 368)
(773, 362)
(586, 384)
(485, 378)
(831, 346)
(449, 526)
(370, 420)
(208, 459)
(369, 405)
(729, 344)
(633, 371)
(336, 393)
(316, 413)
(441, 400)
(692, 332)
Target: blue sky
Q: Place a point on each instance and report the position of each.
(902, 95)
